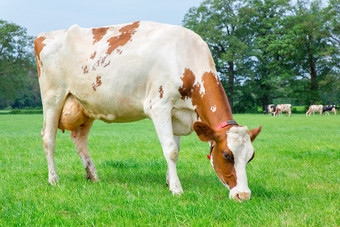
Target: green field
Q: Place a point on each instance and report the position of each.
(294, 177)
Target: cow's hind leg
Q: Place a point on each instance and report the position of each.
(161, 118)
(79, 137)
(75, 119)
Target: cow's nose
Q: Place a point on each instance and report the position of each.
(241, 196)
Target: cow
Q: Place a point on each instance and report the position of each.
(129, 72)
(270, 109)
(287, 108)
(330, 108)
(313, 109)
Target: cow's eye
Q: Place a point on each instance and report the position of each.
(227, 156)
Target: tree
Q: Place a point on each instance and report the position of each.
(263, 20)
(16, 66)
(310, 50)
(218, 23)
(330, 86)
(269, 50)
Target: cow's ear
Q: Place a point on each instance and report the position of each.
(204, 132)
(254, 132)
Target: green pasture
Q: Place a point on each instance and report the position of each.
(294, 177)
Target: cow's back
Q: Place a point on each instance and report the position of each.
(114, 71)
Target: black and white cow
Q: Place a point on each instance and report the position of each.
(330, 108)
(270, 109)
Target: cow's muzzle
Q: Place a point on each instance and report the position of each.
(240, 196)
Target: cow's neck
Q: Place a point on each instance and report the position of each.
(213, 107)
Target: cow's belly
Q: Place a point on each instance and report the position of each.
(111, 107)
(119, 110)
(109, 116)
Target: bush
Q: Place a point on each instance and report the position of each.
(15, 111)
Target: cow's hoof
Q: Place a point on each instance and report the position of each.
(93, 178)
(53, 179)
(176, 191)
(92, 174)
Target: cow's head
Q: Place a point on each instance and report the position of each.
(231, 150)
(270, 108)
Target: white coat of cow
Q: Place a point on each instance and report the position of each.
(280, 108)
(129, 72)
(313, 109)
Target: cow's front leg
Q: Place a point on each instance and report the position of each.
(163, 125)
(178, 142)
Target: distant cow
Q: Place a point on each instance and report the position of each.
(313, 109)
(330, 108)
(286, 108)
(271, 108)
(129, 72)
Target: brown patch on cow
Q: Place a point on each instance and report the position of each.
(214, 96)
(107, 64)
(119, 51)
(224, 168)
(93, 55)
(97, 84)
(98, 33)
(160, 92)
(85, 69)
(38, 47)
(187, 88)
(120, 40)
(102, 60)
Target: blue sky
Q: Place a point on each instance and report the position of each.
(47, 15)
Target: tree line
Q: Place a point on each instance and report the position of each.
(265, 51)
(271, 51)
(19, 85)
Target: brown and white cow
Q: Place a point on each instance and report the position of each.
(129, 72)
(286, 108)
(313, 109)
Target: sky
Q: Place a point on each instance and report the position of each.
(48, 15)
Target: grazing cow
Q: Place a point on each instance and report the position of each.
(270, 109)
(313, 109)
(330, 108)
(129, 72)
(287, 108)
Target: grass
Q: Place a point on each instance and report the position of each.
(294, 177)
